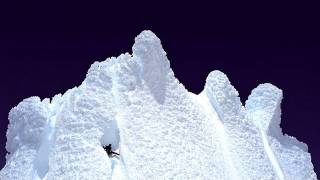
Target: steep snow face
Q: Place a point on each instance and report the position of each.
(161, 130)
(27, 123)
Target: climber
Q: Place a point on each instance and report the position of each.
(109, 151)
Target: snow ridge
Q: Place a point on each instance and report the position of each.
(224, 139)
(161, 130)
(41, 162)
(261, 108)
(288, 156)
(272, 158)
(243, 139)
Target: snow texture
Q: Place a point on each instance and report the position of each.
(161, 130)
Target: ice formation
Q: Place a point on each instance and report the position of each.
(161, 130)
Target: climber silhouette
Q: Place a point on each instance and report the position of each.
(109, 151)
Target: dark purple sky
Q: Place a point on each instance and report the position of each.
(46, 49)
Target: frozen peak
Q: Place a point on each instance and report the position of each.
(154, 65)
(147, 42)
(147, 35)
(26, 122)
(270, 87)
(223, 96)
(263, 107)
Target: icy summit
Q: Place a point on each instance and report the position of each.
(159, 129)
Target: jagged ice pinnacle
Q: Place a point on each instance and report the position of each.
(161, 130)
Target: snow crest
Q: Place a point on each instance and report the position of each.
(161, 130)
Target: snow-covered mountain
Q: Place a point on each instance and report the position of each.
(161, 130)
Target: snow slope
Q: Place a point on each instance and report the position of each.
(161, 130)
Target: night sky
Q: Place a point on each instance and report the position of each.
(46, 49)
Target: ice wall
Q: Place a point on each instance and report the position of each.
(161, 130)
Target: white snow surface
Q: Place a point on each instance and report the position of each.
(161, 130)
